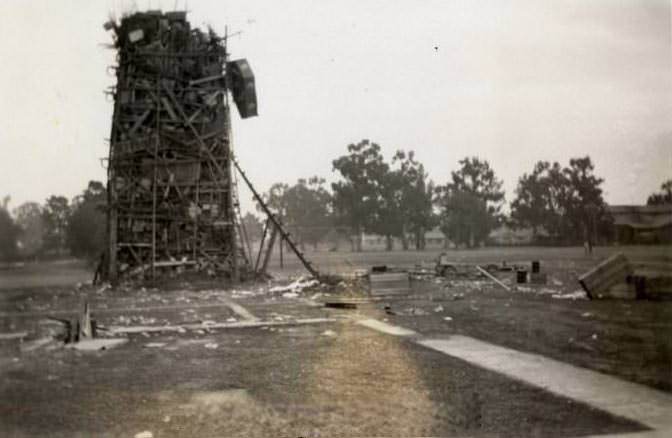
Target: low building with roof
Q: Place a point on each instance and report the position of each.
(635, 224)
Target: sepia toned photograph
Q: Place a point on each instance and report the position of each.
(336, 218)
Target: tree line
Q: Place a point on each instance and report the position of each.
(561, 205)
(55, 228)
(393, 199)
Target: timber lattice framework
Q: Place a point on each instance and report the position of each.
(172, 203)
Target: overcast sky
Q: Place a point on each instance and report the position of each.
(513, 82)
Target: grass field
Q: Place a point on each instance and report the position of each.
(354, 381)
(630, 338)
(333, 262)
(71, 272)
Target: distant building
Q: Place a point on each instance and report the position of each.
(642, 223)
(507, 236)
(377, 242)
(435, 239)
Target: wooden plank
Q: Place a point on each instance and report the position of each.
(218, 325)
(206, 79)
(493, 278)
(611, 271)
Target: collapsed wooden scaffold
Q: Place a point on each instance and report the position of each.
(171, 195)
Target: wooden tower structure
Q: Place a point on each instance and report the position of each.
(172, 201)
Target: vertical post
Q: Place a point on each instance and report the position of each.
(111, 226)
(261, 246)
(156, 147)
(155, 177)
(271, 244)
(112, 216)
(281, 243)
(245, 241)
(198, 194)
(235, 274)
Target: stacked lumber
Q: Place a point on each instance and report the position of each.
(617, 277)
(171, 199)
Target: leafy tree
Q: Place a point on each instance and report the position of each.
(358, 197)
(567, 202)
(530, 208)
(30, 220)
(56, 213)
(664, 197)
(308, 210)
(585, 208)
(415, 200)
(465, 218)
(86, 224)
(541, 198)
(9, 233)
(559, 194)
(389, 218)
(471, 202)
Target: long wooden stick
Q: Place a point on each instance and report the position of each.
(283, 234)
(493, 278)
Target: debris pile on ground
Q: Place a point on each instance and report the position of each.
(458, 271)
(355, 285)
(294, 288)
(81, 332)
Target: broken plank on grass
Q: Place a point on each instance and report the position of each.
(493, 278)
(241, 311)
(97, 344)
(222, 325)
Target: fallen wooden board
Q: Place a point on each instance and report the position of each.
(493, 278)
(222, 325)
(358, 300)
(112, 310)
(97, 344)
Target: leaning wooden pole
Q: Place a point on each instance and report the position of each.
(493, 278)
(284, 234)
